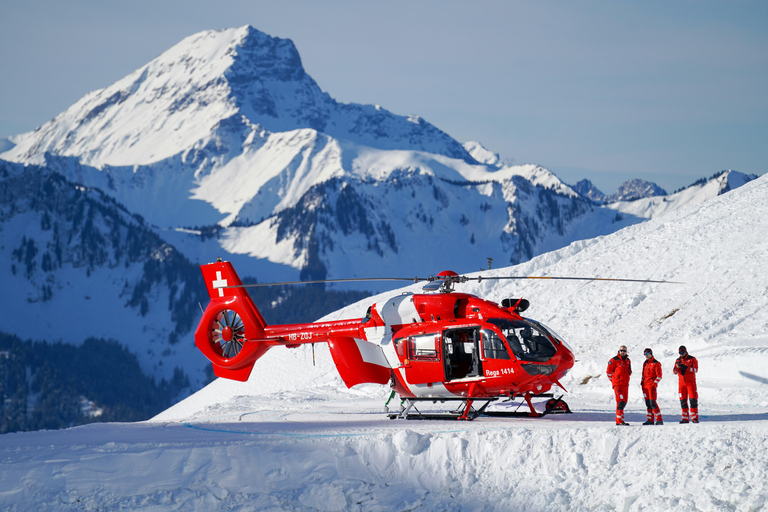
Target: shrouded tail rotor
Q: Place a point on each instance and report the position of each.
(228, 332)
(231, 332)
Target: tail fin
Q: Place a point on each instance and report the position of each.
(231, 332)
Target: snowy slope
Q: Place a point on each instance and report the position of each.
(293, 438)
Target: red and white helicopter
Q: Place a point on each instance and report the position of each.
(439, 345)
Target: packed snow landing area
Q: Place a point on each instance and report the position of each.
(294, 438)
(325, 448)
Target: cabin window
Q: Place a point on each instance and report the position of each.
(423, 347)
(400, 347)
(493, 346)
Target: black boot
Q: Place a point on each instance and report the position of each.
(649, 422)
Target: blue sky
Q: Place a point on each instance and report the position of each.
(667, 91)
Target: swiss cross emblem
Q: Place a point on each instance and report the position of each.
(219, 283)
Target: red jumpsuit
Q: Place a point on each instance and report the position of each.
(651, 378)
(619, 369)
(686, 368)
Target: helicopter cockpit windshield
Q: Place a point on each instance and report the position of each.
(526, 339)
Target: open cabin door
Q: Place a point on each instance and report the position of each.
(462, 353)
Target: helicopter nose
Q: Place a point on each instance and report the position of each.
(565, 364)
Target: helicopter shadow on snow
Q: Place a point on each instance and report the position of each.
(751, 376)
(303, 425)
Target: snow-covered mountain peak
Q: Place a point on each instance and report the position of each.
(268, 57)
(731, 179)
(482, 154)
(216, 87)
(151, 114)
(636, 189)
(494, 169)
(587, 189)
(536, 174)
(697, 193)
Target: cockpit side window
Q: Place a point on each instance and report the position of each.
(526, 340)
(493, 346)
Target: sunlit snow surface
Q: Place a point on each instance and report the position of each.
(294, 438)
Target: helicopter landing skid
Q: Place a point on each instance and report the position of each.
(465, 411)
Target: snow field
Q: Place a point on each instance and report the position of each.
(355, 461)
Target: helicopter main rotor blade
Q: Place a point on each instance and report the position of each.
(455, 279)
(568, 278)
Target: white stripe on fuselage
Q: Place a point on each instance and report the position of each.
(398, 310)
(395, 311)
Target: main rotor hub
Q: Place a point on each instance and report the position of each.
(448, 278)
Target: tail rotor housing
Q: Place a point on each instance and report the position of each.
(231, 332)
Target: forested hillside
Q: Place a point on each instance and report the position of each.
(54, 385)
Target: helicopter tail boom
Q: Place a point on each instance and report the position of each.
(232, 334)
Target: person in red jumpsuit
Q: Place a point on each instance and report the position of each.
(686, 368)
(619, 370)
(651, 378)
